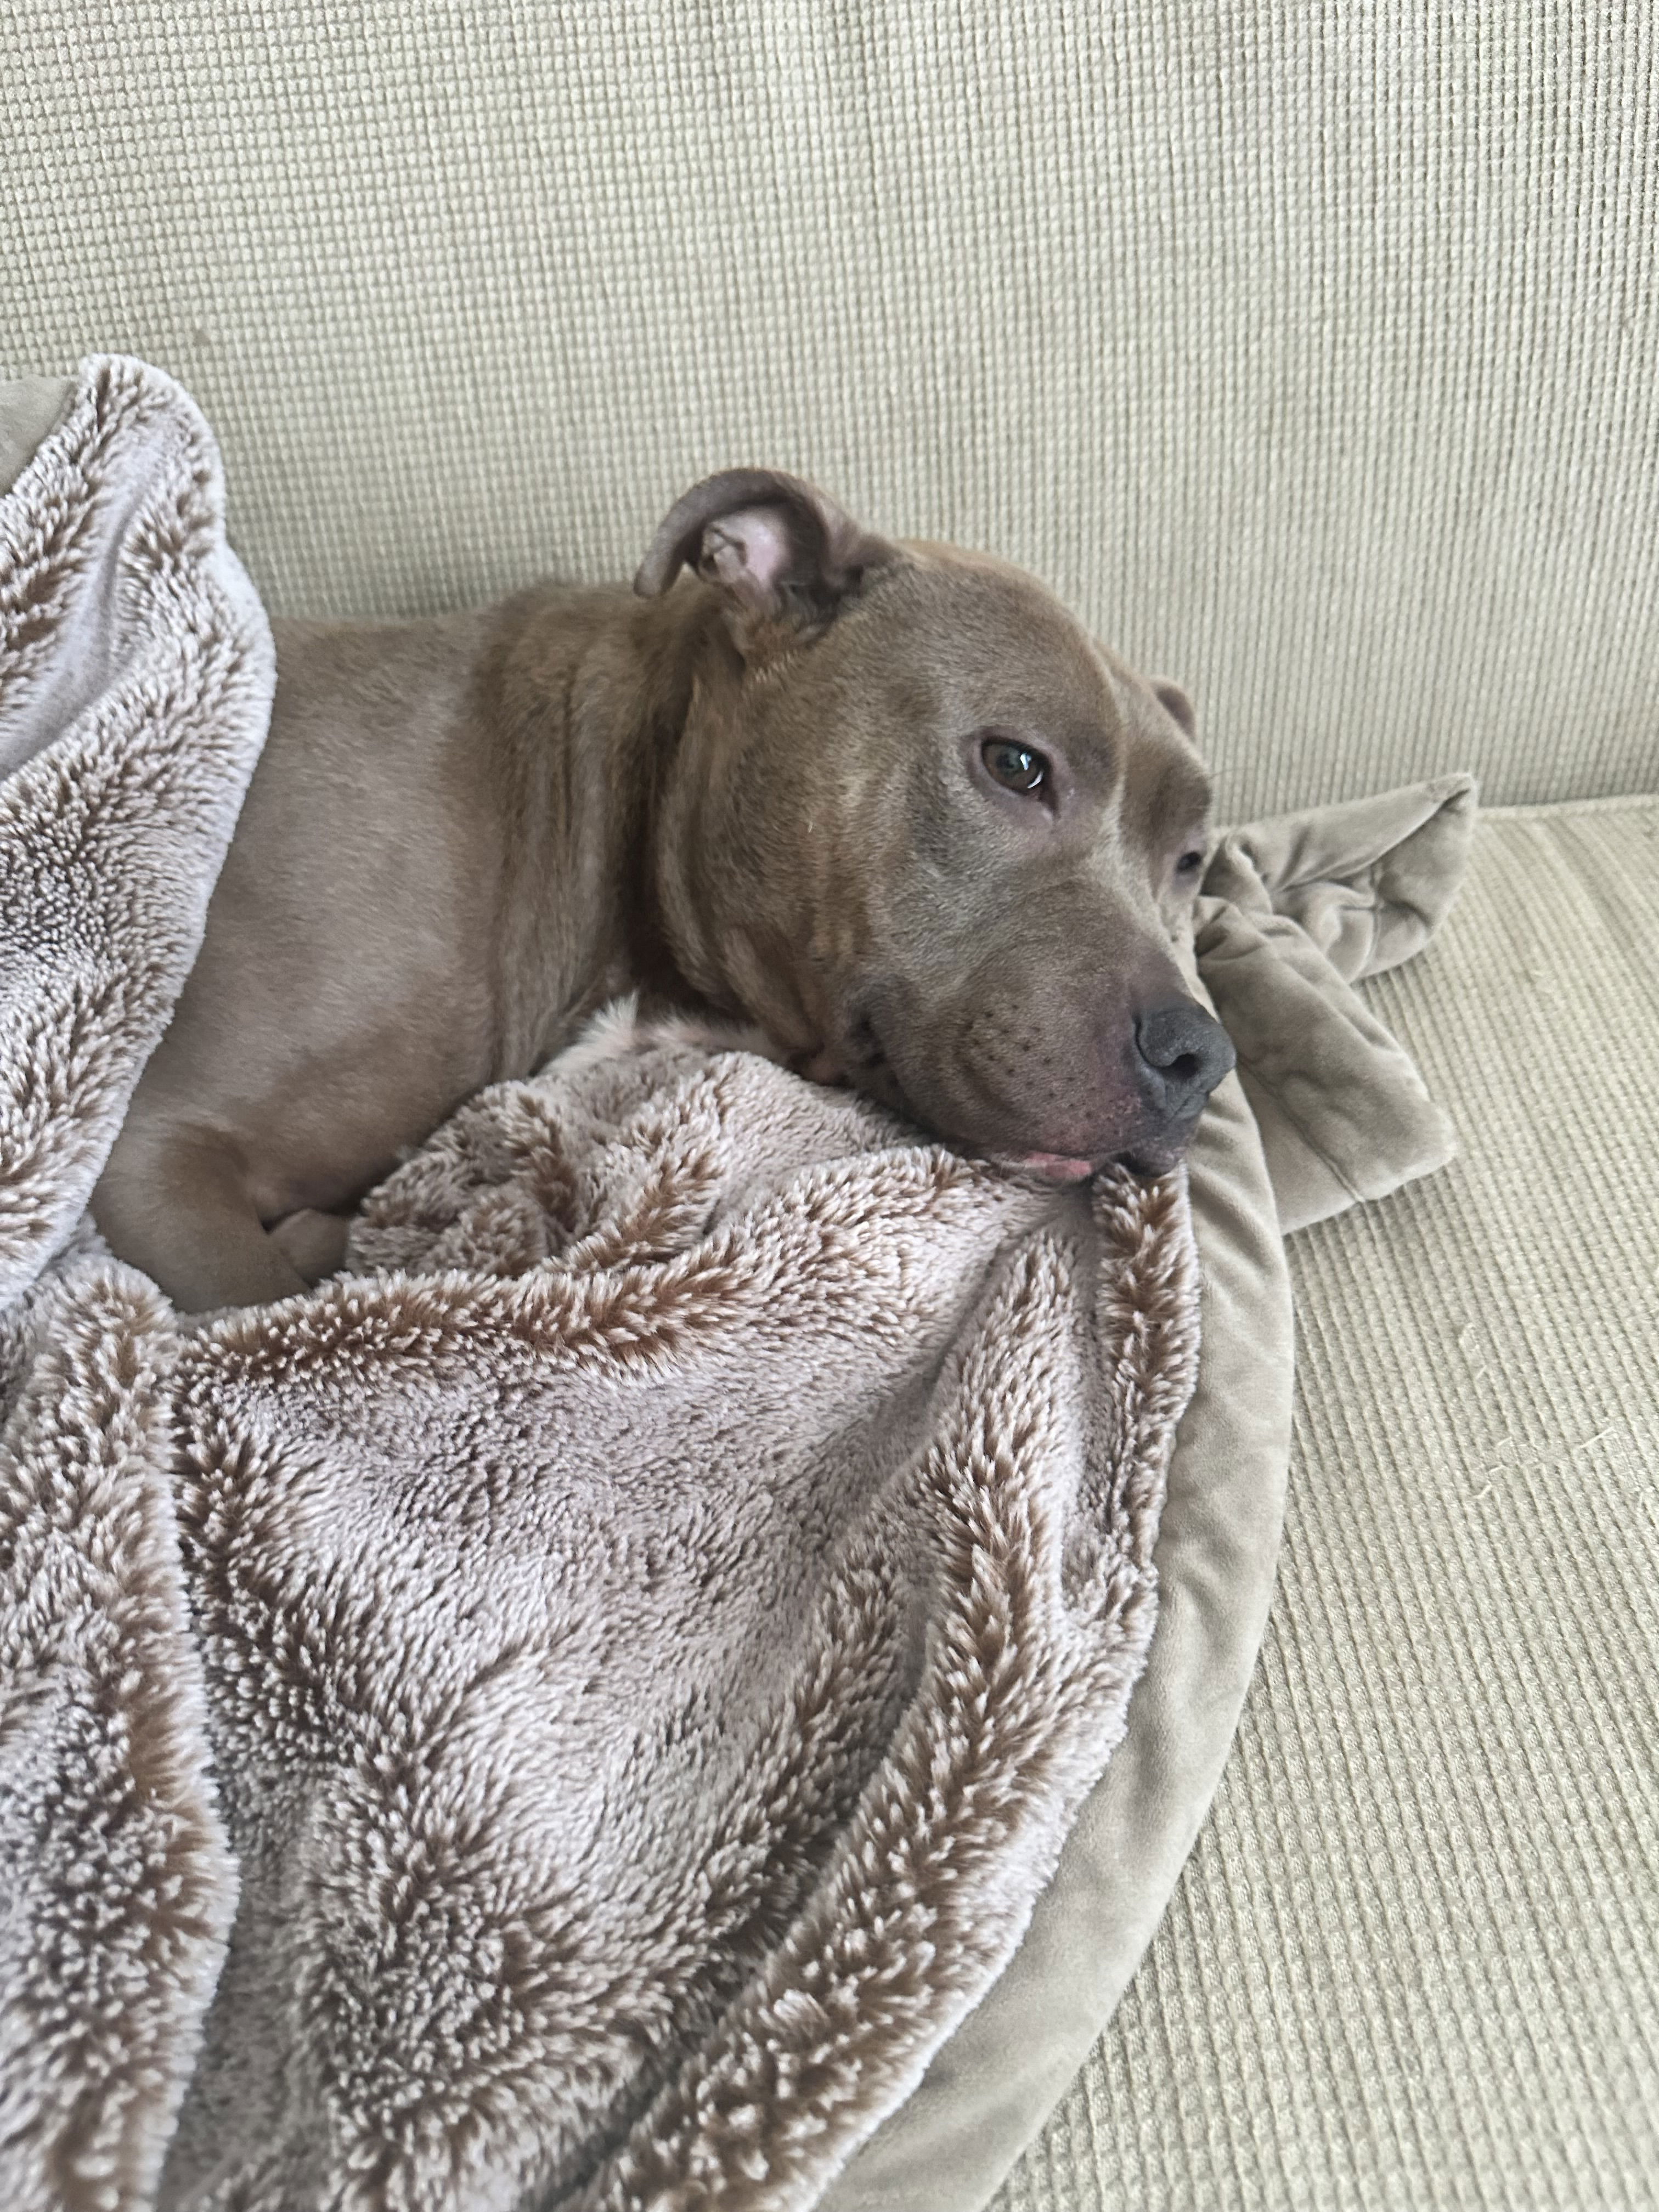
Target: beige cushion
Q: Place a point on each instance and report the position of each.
(27, 410)
(1309, 352)
(1411, 1963)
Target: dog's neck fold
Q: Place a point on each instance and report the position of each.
(589, 695)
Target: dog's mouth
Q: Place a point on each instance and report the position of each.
(1147, 1163)
(1051, 1167)
(863, 1065)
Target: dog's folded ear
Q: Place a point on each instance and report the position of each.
(779, 550)
(1176, 703)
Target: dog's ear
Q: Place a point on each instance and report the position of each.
(1175, 704)
(782, 555)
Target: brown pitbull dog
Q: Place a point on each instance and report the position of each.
(887, 801)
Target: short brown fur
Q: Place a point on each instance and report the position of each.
(757, 792)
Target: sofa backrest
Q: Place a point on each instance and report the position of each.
(1310, 351)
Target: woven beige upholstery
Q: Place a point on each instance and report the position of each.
(1309, 350)
(1411, 1962)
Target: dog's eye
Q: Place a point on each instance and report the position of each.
(1015, 767)
(1188, 866)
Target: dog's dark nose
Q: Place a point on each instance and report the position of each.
(1182, 1054)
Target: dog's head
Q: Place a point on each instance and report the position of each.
(931, 836)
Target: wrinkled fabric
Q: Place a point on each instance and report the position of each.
(136, 678)
(1294, 912)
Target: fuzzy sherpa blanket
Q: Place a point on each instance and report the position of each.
(575, 1712)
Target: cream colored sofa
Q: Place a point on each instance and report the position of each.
(1311, 353)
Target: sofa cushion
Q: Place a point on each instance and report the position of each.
(1308, 351)
(1411, 1963)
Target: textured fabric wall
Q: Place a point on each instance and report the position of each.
(1310, 351)
(1410, 1965)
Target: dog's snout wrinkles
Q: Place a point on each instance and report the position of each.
(1184, 1053)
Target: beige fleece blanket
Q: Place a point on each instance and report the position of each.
(576, 1711)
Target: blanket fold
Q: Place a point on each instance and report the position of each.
(574, 1712)
(1294, 912)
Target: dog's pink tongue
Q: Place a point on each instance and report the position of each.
(1056, 1166)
